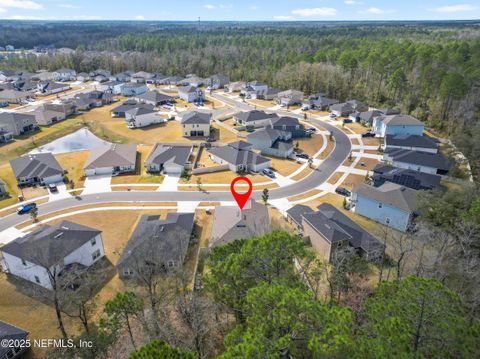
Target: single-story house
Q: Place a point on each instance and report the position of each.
(366, 117)
(405, 177)
(289, 124)
(168, 159)
(141, 77)
(272, 142)
(411, 142)
(390, 204)
(342, 109)
(231, 223)
(125, 76)
(111, 159)
(66, 107)
(100, 72)
(53, 249)
(239, 157)
(255, 118)
(321, 102)
(13, 96)
(50, 88)
(290, 97)
(193, 80)
(40, 168)
(84, 102)
(426, 162)
(217, 81)
(196, 124)
(18, 338)
(133, 89)
(142, 117)
(105, 96)
(191, 94)
(18, 123)
(154, 98)
(358, 106)
(48, 117)
(83, 76)
(329, 230)
(161, 243)
(64, 75)
(114, 87)
(120, 110)
(397, 125)
(172, 80)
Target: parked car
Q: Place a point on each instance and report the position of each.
(368, 134)
(26, 208)
(332, 115)
(303, 155)
(313, 129)
(305, 107)
(53, 188)
(347, 120)
(268, 172)
(343, 191)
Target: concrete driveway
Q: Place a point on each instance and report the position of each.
(97, 184)
(170, 183)
(60, 194)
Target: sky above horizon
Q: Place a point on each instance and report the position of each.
(245, 10)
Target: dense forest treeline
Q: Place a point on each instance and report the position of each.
(431, 72)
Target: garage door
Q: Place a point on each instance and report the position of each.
(103, 171)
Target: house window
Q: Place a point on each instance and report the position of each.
(171, 263)
(127, 272)
(37, 279)
(387, 220)
(96, 254)
(380, 205)
(93, 241)
(23, 262)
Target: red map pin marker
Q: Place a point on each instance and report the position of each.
(241, 198)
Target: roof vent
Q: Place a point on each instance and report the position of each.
(65, 227)
(162, 228)
(58, 235)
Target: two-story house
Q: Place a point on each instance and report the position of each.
(254, 119)
(62, 75)
(191, 94)
(141, 117)
(196, 124)
(397, 125)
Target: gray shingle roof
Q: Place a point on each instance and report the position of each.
(297, 212)
(268, 134)
(411, 141)
(196, 117)
(155, 96)
(138, 111)
(49, 245)
(408, 178)
(397, 120)
(36, 165)
(255, 115)
(170, 236)
(162, 154)
(235, 156)
(188, 89)
(114, 155)
(342, 107)
(336, 226)
(419, 158)
(10, 332)
(389, 193)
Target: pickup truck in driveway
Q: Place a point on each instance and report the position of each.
(26, 208)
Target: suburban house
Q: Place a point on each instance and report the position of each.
(193, 80)
(239, 157)
(366, 117)
(133, 89)
(231, 223)
(17, 336)
(48, 117)
(13, 96)
(120, 110)
(271, 94)
(234, 87)
(154, 98)
(397, 125)
(67, 107)
(329, 230)
(100, 73)
(17, 123)
(141, 77)
(342, 109)
(62, 75)
(196, 124)
(289, 98)
(172, 80)
(50, 87)
(111, 159)
(85, 102)
(83, 76)
(10, 75)
(191, 94)
(37, 169)
(295, 215)
(411, 142)
(142, 117)
(5, 134)
(113, 87)
(426, 162)
(105, 97)
(289, 124)
(125, 76)
(3, 188)
(321, 102)
(405, 177)
(254, 90)
(169, 159)
(255, 118)
(23, 85)
(55, 250)
(358, 106)
(160, 243)
(217, 81)
(272, 142)
(390, 204)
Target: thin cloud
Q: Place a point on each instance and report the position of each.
(455, 8)
(283, 17)
(353, 2)
(209, 6)
(20, 4)
(139, 17)
(253, 7)
(377, 11)
(69, 6)
(317, 11)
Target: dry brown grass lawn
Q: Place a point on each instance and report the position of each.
(283, 166)
(261, 103)
(327, 151)
(304, 195)
(371, 141)
(73, 163)
(223, 177)
(134, 188)
(351, 180)
(225, 136)
(355, 141)
(335, 177)
(318, 113)
(357, 127)
(368, 163)
(309, 145)
(305, 172)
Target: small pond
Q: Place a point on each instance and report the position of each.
(81, 140)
